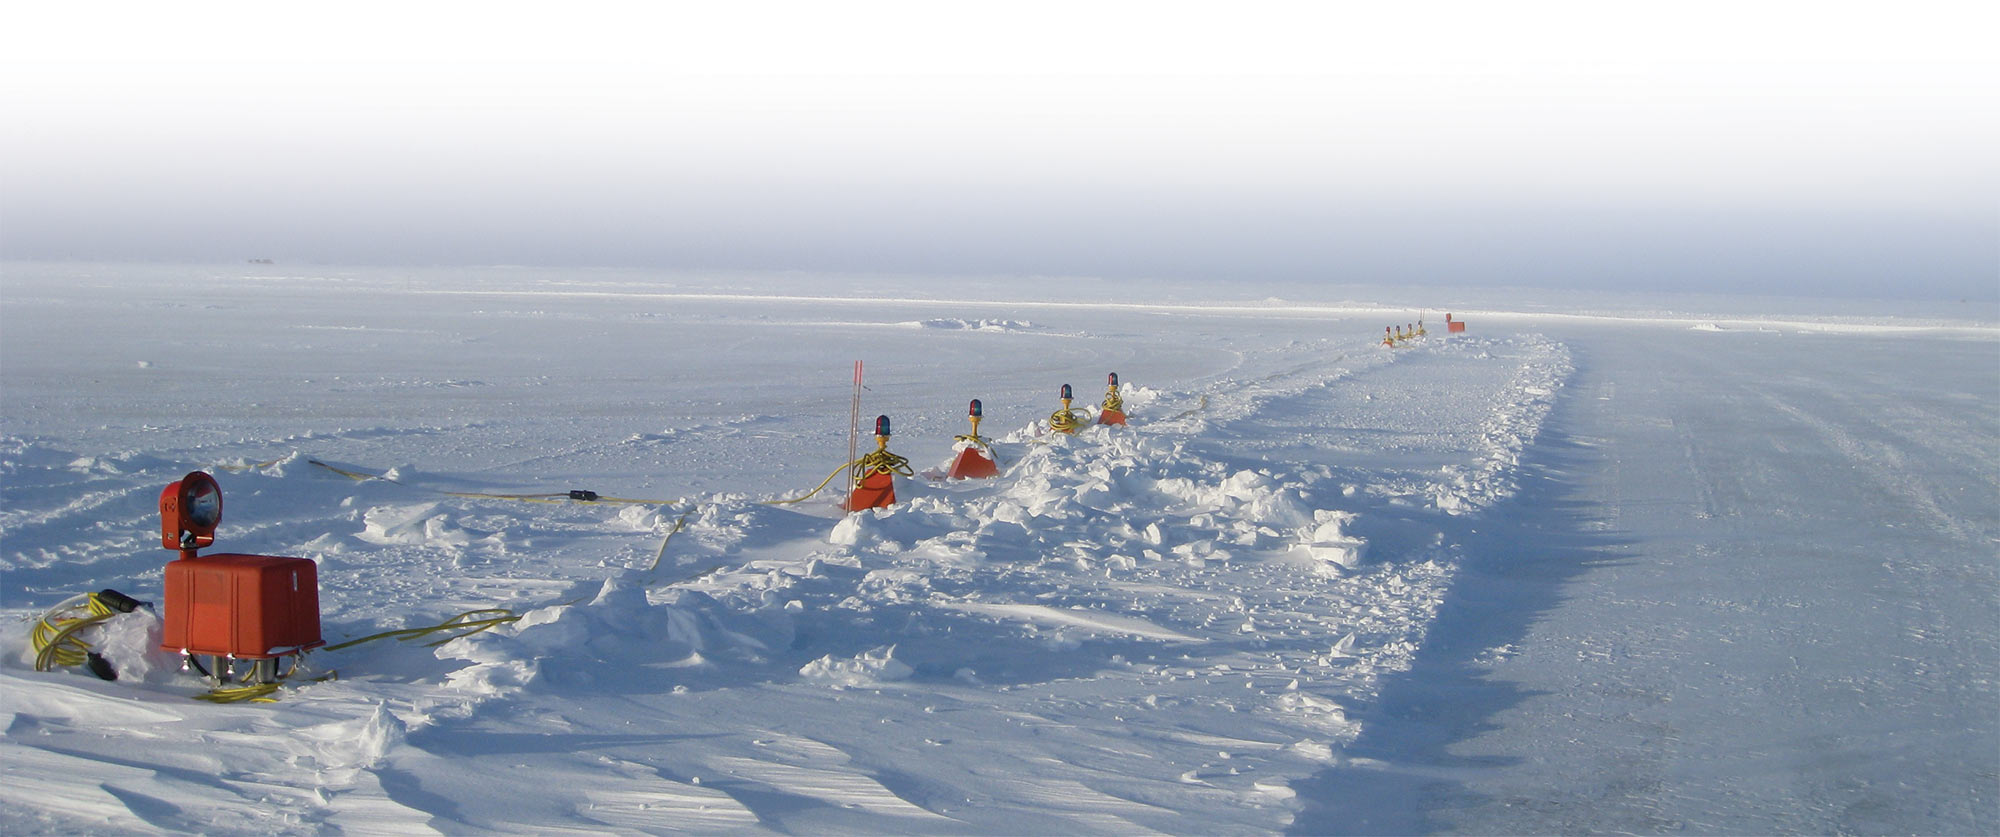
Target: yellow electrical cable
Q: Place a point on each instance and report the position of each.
(566, 497)
(353, 475)
(552, 497)
(465, 624)
(878, 462)
(1203, 405)
(816, 489)
(253, 693)
(258, 692)
(974, 438)
(462, 622)
(250, 467)
(881, 461)
(1112, 401)
(984, 444)
(1065, 420)
(678, 525)
(62, 647)
(55, 637)
(57, 644)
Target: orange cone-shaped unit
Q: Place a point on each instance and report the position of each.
(875, 486)
(874, 491)
(975, 460)
(1113, 409)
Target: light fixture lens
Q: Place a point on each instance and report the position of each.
(204, 505)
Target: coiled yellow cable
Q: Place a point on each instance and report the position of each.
(55, 636)
(1065, 420)
(881, 461)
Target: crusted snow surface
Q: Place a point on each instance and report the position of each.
(1158, 627)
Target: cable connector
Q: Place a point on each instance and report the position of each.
(120, 602)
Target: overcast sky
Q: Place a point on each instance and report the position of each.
(1792, 147)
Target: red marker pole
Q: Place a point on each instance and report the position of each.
(854, 437)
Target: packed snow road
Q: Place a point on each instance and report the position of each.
(1749, 588)
(1543, 576)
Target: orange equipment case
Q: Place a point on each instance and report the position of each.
(247, 606)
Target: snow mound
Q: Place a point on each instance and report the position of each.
(873, 667)
(955, 324)
(1329, 543)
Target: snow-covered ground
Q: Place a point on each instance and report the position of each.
(1598, 564)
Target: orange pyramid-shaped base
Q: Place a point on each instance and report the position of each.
(1110, 417)
(876, 491)
(972, 464)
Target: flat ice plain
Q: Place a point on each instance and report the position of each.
(1599, 564)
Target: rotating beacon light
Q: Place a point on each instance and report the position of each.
(190, 509)
(231, 606)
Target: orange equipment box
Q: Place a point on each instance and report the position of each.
(250, 606)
